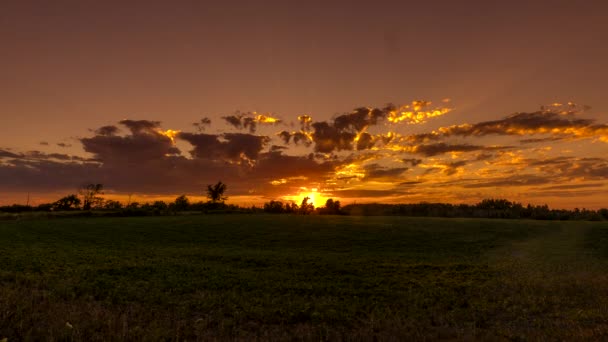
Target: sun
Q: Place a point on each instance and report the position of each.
(316, 198)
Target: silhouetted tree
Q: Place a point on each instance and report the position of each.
(69, 202)
(306, 208)
(331, 208)
(112, 205)
(90, 198)
(274, 207)
(132, 205)
(44, 207)
(160, 205)
(215, 193)
(291, 208)
(181, 203)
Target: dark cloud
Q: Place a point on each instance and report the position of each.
(365, 141)
(298, 137)
(141, 126)
(411, 183)
(574, 186)
(430, 150)
(375, 171)
(359, 119)
(275, 148)
(64, 145)
(538, 140)
(228, 146)
(275, 165)
(202, 124)
(44, 143)
(234, 120)
(452, 168)
(516, 180)
(572, 167)
(347, 130)
(344, 133)
(412, 161)
(8, 154)
(46, 175)
(328, 138)
(484, 156)
(107, 130)
(358, 193)
(249, 120)
(540, 122)
(305, 121)
(37, 155)
(142, 144)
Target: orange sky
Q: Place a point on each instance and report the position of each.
(115, 92)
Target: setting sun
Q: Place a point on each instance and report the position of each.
(315, 197)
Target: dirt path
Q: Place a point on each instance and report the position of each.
(549, 287)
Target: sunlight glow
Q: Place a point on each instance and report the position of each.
(416, 113)
(316, 197)
(171, 134)
(265, 118)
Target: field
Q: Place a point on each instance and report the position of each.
(261, 277)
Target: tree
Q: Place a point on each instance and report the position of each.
(181, 203)
(90, 198)
(69, 202)
(306, 208)
(215, 193)
(331, 207)
(274, 207)
(112, 205)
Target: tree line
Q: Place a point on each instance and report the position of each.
(89, 198)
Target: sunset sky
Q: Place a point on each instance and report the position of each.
(377, 101)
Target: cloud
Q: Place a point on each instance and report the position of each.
(140, 126)
(202, 124)
(328, 138)
(227, 146)
(511, 181)
(107, 130)
(412, 161)
(453, 167)
(376, 171)
(46, 175)
(249, 120)
(144, 143)
(347, 132)
(8, 154)
(522, 124)
(38, 156)
(430, 150)
(415, 113)
(355, 154)
(298, 137)
(359, 193)
(573, 186)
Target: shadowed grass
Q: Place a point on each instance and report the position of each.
(298, 277)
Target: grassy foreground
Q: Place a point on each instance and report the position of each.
(258, 277)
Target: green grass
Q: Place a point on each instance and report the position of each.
(248, 277)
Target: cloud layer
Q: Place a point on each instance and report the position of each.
(361, 154)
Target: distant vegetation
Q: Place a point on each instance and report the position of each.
(89, 202)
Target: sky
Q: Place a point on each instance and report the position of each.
(384, 101)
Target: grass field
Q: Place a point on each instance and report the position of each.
(259, 277)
